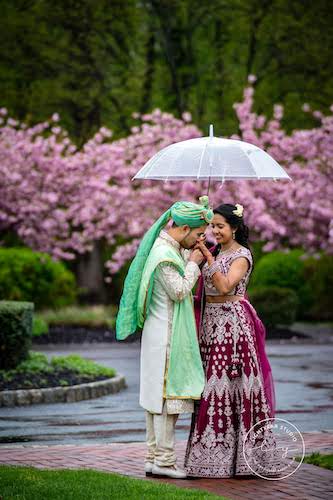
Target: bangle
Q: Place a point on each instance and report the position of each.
(213, 268)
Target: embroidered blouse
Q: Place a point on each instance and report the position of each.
(222, 264)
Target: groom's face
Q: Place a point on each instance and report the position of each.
(191, 236)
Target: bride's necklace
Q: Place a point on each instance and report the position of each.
(227, 249)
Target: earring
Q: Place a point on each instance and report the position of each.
(233, 235)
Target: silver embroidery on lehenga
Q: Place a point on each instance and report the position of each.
(232, 402)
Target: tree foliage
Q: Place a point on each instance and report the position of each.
(96, 62)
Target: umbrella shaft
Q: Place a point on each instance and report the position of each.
(208, 187)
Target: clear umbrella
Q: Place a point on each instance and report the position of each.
(211, 158)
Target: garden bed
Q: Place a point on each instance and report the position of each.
(37, 372)
(64, 379)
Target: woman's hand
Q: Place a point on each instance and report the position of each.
(204, 250)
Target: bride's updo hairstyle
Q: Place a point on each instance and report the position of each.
(235, 221)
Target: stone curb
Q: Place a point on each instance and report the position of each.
(68, 394)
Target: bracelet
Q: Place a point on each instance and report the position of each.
(214, 268)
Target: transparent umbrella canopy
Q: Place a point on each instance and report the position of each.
(211, 158)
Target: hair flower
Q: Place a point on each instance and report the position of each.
(239, 210)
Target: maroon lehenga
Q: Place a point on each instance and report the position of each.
(235, 396)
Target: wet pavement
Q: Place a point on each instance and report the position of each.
(303, 381)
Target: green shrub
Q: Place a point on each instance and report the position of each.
(317, 292)
(36, 362)
(39, 326)
(274, 305)
(80, 365)
(15, 332)
(32, 276)
(38, 371)
(311, 278)
(280, 269)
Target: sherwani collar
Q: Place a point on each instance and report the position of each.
(166, 236)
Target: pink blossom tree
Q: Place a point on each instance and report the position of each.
(283, 213)
(61, 200)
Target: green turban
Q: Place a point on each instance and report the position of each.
(182, 213)
(185, 212)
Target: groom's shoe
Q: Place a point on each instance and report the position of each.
(171, 471)
(148, 468)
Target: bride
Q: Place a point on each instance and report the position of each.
(239, 389)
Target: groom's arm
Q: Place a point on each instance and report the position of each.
(176, 286)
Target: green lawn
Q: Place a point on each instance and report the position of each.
(26, 483)
(325, 461)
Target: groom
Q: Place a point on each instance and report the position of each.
(157, 296)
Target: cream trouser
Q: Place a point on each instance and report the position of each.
(161, 438)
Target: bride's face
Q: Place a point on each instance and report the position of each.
(222, 231)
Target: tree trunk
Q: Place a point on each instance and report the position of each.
(90, 277)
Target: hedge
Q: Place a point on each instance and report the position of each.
(311, 278)
(15, 332)
(274, 305)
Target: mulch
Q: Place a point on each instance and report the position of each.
(59, 377)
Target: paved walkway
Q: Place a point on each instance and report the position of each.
(308, 482)
(304, 393)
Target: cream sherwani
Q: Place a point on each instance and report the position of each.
(169, 286)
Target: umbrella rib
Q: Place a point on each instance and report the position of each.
(251, 164)
(201, 158)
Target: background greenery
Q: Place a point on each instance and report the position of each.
(96, 62)
(33, 276)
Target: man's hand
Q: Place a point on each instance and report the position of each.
(197, 257)
(204, 250)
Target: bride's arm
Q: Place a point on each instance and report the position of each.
(225, 283)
